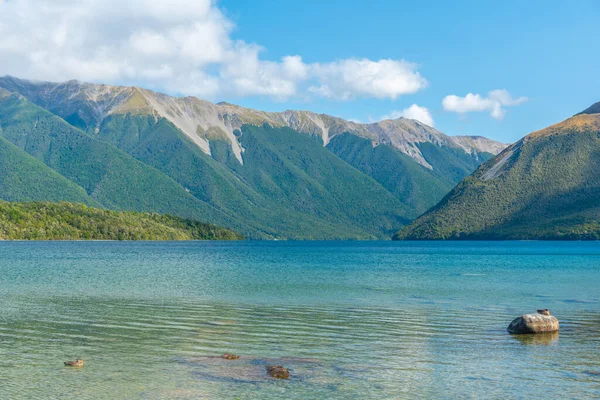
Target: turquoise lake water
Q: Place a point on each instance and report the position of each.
(351, 320)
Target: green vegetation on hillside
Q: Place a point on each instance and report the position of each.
(295, 169)
(417, 187)
(547, 186)
(289, 185)
(112, 178)
(68, 221)
(25, 178)
(451, 165)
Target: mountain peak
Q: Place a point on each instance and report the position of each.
(582, 122)
(593, 109)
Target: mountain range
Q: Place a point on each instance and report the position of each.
(287, 175)
(545, 186)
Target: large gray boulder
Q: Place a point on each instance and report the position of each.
(534, 323)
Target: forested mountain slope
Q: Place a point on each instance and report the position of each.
(546, 186)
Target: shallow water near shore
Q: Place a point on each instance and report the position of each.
(350, 320)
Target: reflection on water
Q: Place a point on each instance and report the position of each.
(537, 339)
(348, 320)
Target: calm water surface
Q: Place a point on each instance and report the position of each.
(350, 320)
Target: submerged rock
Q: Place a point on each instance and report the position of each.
(277, 371)
(541, 322)
(253, 369)
(229, 356)
(77, 363)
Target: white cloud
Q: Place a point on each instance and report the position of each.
(415, 111)
(351, 78)
(494, 103)
(179, 46)
(150, 43)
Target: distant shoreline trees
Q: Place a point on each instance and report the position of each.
(72, 221)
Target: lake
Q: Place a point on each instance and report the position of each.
(351, 320)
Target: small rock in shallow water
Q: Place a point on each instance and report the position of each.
(77, 363)
(229, 356)
(534, 323)
(277, 371)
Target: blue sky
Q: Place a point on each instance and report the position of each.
(497, 69)
(547, 51)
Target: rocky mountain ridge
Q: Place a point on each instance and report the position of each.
(203, 121)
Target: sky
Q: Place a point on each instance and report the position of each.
(496, 69)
